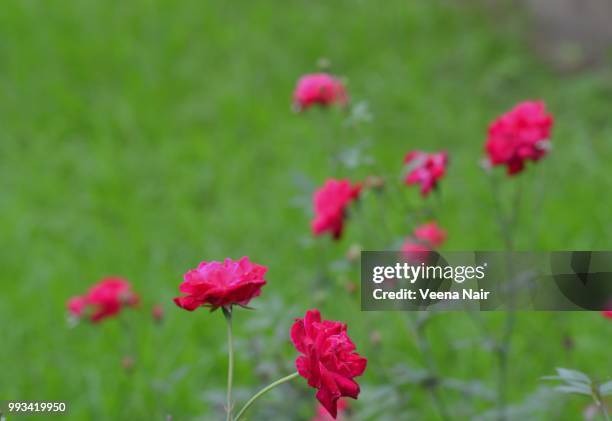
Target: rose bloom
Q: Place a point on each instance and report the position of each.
(103, 300)
(607, 314)
(521, 134)
(323, 415)
(425, 169)
(415, 251)
(430, 233)
(330, 203)
(328, 361)
(221, 284)
(318, 88)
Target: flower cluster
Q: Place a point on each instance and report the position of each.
(330, 205)
(328, 361)
(520, 135)
(327, 356)
(425, 169)
(103, 300)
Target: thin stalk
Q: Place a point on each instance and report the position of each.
(230, 366)
(599, 402)
(425, 350)
(507, 226)
(503, 351)
(502, 222)
(129, 333)
(262, 392)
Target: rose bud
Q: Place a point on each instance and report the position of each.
(157, 312)
(374, 182)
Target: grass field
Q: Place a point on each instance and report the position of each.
(139, 138)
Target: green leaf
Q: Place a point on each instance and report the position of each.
(581, 390)
(573, 376)
(551, 378)
(605, 389)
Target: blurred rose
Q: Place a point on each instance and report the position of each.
(318, 88)
(414, 251)
(425, 169)
(104, 299)
(330, 203)
(521, 134)
(430, 233)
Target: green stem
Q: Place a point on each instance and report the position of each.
(263, 391)
(230, 366)
(424, 347)
(507, 224)
(599, 402)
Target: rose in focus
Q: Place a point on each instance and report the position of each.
(328, 361)
(221, 284)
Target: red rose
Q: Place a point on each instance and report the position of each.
(414, 251)
(318, 88)
(330, 203)
(521, 134)
(607, 314)
(425, 169)
(430, 233)
(104, 299)
(216, 284)
(328, 360)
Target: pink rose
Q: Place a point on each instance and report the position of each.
(330, 204)
(430, 233)
(318, 88)
(520, 135)
(221, 284)
(425, 169)
(103, 300)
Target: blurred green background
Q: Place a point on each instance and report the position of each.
(139, 138)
